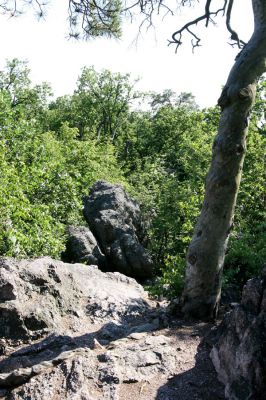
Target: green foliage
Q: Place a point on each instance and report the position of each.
(171, 281)
(168, 176)
(43, 176)
(170, 98)
(26, 101)
(52, 152)
(89, 18)
(247, 255)
(99, 107)
(25, 229)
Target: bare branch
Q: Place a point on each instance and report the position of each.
(92, 18)
(14, 8)
(207, 17)
(234, 35)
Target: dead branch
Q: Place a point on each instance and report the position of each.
(208, 17)
(97, 17)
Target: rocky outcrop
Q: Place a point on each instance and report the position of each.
(43, 295)
(115, 220)
(72, 332)
(82, 247)
(240, 353)
(75, 371)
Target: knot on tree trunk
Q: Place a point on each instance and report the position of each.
(240, 149)
(246, 94)
(192, 259)
(231, 94)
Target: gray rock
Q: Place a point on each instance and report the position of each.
(77, 372)
(115, 220)
(73, 332)
(52, 296)
(239, 355)
(7, 287)
(82, 247)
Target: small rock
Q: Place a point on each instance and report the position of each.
(82, 247)
(137, 335)
(97, 345)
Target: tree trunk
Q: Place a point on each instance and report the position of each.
(206, 252)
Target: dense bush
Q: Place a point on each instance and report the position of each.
(44, 174)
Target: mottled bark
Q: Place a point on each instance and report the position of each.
(206, 252)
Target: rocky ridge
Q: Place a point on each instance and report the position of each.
(69, 331)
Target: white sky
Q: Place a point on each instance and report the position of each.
(55, 59)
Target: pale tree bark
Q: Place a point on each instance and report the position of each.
(206, 252)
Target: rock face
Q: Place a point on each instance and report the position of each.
(240, 353)
(44, 295)
(74, 371)
(115, 220)
(69, 331)
(82, 247)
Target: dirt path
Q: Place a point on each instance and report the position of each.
(194, 378)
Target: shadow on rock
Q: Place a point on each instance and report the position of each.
(112, 355)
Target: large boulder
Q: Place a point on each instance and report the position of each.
(240, 353)
(72, 332)
(115, 220)
(82, 247)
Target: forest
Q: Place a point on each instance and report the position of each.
(157, 145)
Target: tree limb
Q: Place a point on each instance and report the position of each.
(207, 17)
(234, 35)
(94, 18)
